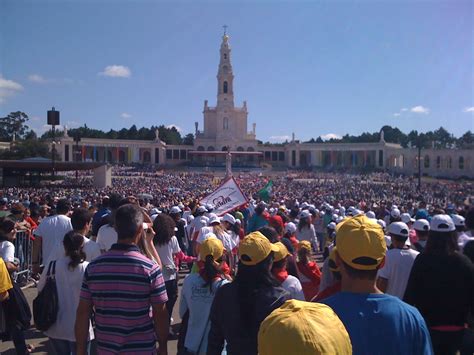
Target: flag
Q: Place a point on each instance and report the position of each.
(266, 192)
(225, 198)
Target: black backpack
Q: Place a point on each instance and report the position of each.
(45, 305)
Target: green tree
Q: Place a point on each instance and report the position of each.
(466, 141)
(13, 126)
(188, 139)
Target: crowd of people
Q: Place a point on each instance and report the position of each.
(329, 264)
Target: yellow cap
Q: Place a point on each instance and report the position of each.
(282, 252)
(332, 261)
(303, 328)
(361, 243)
(305, 245)
(211, 246)
(254, 248)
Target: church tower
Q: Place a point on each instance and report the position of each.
(225, 77)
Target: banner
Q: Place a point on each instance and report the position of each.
(266, 192)
(225, 198)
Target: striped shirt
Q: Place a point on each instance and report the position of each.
(122, 285)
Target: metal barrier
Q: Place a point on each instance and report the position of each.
(23, 252)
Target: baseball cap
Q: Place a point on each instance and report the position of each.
(421, 225)
(395, 213)
(398, 228)
(282, 252)
(175, 210)
(304, 214)
(361, 243)
(370, 214)
(290, 227)
(442, 223)
(213, 218)
(211, 246)
(382, 223)
(334, 217)
(201, 209)
(254, 248)
(228, 218)
(303, 328)
(406, 218)
(458, 220)
(332, 225)
(305, 244)
(332, 261)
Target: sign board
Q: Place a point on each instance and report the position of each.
(226, 197)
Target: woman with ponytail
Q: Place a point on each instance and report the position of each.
(69, 272)
(198, 294)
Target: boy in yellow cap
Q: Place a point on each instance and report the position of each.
(288, 282)
(239, 307)
(377, 323)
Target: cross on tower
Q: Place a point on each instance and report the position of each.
(225, 29)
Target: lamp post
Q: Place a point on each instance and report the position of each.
(77, 139)
(53, 121)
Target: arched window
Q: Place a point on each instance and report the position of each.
(438, 162)
(427, 161)
(250, 149)
(225, 123)
(225, 87)
(225, 55)
(200, 148)
(240, 149)
(210, 149)
(461, 163)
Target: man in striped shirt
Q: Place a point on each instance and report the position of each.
(121, 286)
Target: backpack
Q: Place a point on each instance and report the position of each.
(45, 305)
(18, 307)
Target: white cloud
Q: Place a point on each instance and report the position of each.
(72, 124)
(40, 130)
(36, 78)
(8, 88)
(116, 71)
(404, 109)
(173, 125)
(469, 109)
(329, 136)
(279, 139)
(125, 115)
(420, 109)
(396, 114)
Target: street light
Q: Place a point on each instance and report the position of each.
(53, 121)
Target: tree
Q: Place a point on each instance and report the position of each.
(29, 148)
(466, 140)
(188, 139)
(13, 126)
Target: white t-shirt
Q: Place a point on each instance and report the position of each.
(91, 249)
(106, 237)
(197, 224)
(293, 286)
(463, 239)
(225, 238)
(68, 283)
(52, 231)
(7, 251)
(397, 268)
(166, 253)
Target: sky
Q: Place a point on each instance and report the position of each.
(315, 68)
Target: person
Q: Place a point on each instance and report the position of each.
(288, 282)
(303, 328)
(101, 213)
(198, 293)
(50, 233)
(175, 214)
(5, 281)
(442, 271)
(393, 276)
(290, 234)
(7, 248)
(69, 272)
(305, 230)
(335, 287)
(215, 227)
(259, 219)
(460, 224)
(394, 326)
(310, 275)
(240, 307)
(422, 230)
(167, 246)
(112, 290)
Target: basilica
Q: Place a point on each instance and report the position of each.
(225, 129)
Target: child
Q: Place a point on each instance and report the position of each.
(336, 286)
(288, 282)
(310, 275)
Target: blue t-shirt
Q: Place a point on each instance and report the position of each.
(381, 324)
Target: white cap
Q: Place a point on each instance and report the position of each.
(399, 228)
(382, 223)
(181, 206)
(339, 219)
(213, 218)
(190, 218)
(421, 225)
(202, 209)
(154, 211)
(304, 214)
(175, 210)
(458, 220)
(395, 213)
(209, 207)
(442, 223)
(342, 210)
(228, 218)
(370, 214)
(334, 217)
(406, 218)
(332, 225)
(290, 227)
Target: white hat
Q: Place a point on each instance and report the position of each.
(332, 225)
(202, 209)
(370, 214)
(406, 218)
(228, 218)
(175, 210)
(334, 217)
(180, 205)
(304, 205)
(395, 213)
(421, 225)
(342, 210)
(209, 207)
(154, 211)
(442, 223)
(190, 218)
(339, 219)
(382, 223)
(399, 228)
(290, 227)
(458, 220)
(304, 214)
(213, 218)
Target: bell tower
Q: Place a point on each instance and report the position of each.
(225, 76)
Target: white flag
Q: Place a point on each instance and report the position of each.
(226, 197)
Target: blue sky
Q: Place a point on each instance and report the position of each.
(313, 68)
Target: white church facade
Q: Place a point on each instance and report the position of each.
(225, 128)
